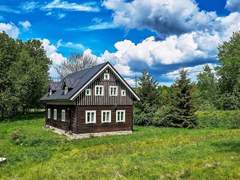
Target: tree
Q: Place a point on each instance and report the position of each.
(8, 55)
(30, 74)
(207, 87)
(24, 74)
(229, 72)
(148, 93)
(181, 112)
(75, 62)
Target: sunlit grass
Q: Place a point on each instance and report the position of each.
(149, 153)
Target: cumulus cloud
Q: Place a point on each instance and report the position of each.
(192, 71)
(65, 5)
(164, 17)
(51, 52)
(172, 50)
(9, 28)
(25, 24)
(233, 5)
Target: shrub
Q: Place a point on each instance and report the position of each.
(17, 137)
(216, 119)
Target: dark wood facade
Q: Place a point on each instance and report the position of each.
(75, 114)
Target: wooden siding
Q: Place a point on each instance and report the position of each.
(106, 99)
(80, 126)
(65, 125)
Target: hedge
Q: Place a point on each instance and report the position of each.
(216, 119)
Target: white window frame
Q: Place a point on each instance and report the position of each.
(102, 117)
(55, 114)
(63, 115)
(123, 92)
(49, 113)
(99, 86)
(110, 90)
(124, 115)
(86, 116)
(106, 76)
(88, 92)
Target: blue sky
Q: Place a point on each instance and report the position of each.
(161, 36)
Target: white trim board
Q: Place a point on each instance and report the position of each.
(96, 75)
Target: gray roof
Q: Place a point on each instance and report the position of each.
(74, 82)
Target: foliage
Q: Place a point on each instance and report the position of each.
(229, 72)
(75, 62)
(207, 88)
(24, 74)
(149, 153)
(216, 119)
(181, 112)
(148, 93)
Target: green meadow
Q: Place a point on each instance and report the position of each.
(34, 152)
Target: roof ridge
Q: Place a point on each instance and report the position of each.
(85, 69)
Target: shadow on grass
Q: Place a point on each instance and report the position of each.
(28, 116)
(229, 146)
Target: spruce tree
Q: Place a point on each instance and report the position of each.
(148, 93)
(181, 113)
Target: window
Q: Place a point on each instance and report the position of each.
(123, 92)
(120, 116)
(99, 90)
(50, 92)
(88, 92)
(113, 90)
(90, 117)
(106, 116)
(55, 114)
(106, 76)
(63, 115)
(65, 90)
(49, 113)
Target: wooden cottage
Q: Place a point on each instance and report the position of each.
(94, 101)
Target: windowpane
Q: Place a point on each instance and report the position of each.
(120, 116)
(63, 115)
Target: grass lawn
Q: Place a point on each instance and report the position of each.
(149, 153)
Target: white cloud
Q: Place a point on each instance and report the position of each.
(172, 50)
(10, 28)
(233, 5)
(96, 26)
(25, 24)
(65, 5)
(51, 52)
(8, 9)
(192, 71)
(30, 5)
(70, 45)
(61, 15)
(162, 16)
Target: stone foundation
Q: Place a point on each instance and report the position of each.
(86, 135)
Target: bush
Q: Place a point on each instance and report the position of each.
(216, 119)
(17, 137)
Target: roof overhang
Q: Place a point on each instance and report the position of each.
(108, 65)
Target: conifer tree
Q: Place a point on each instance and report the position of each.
(181, 113)
(148, 93)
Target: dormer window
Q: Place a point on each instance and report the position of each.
(106, 76)
(65, 90)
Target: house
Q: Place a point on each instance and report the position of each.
(93, 101)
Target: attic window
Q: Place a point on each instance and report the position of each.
(123, 92)
(65, 90)
(106, 76)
